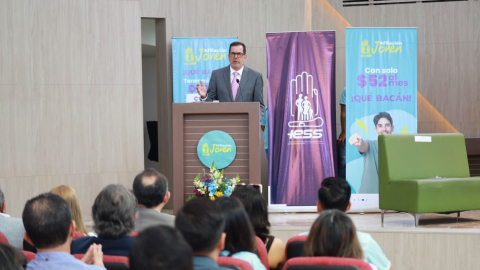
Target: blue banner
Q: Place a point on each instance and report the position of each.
(194, 59)
(381, 82)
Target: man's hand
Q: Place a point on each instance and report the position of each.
(341, 138)
(202, 90)
(357, 141)
(94, 255)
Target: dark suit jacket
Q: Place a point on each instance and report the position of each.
(116, 247)
(250, 89)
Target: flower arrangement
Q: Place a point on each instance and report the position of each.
(214, 184)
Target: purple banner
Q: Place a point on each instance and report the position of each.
(301, 109)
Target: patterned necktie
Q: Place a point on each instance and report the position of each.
(234, 85)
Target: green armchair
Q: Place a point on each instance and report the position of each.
(425, 173)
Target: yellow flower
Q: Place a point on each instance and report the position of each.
(212, 198)
(218, 194)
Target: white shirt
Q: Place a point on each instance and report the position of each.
(239, 76)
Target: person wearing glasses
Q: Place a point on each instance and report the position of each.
(369, 150)
(236, 82)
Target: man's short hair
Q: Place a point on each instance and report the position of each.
(47, 220)
(334, 193)
(201, 223)
(381, 115)
(2, 197)
(161, 248)
(114, 212)
(237, 43)
(150, 187)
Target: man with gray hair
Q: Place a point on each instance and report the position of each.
(11, 227)
(114, 214)
(151, 190)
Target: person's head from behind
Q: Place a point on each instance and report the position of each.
(151, 188)
(114, 212)
(334, 193)
(11, 258)
(333, 234)
(239, 230)
(256, 207)
(201, 223)
(161, 248)
(68, 194)
(383, 123)
(48, 221)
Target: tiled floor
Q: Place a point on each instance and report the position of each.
(468, 220)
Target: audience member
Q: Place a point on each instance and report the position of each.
(334, 193)
(151, 189)
(11, 258)
(114, 218)
(11, 227)
(68, 194)
(201, 223)
(240, 242)
(161, 248)
(334, 235)
(49, 226)
(257, 210)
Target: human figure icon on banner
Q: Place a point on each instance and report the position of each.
(298, 103)
(304, 102)
(307, 106)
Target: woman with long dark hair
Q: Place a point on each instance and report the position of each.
(333, 234)
(257, 210)
(240, 241)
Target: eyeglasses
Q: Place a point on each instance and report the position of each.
(236, 55)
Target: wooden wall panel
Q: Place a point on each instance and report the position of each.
(154, 8)
(73, 42)
(196, 126)
(285, 15)
(70, 97)
(71, 129)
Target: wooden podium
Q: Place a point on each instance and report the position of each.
(192, 120)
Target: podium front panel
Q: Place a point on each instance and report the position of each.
(192, 121)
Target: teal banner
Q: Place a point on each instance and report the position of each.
(217, 146)
(194, 59)
(381, 88)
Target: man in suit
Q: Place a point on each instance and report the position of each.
(11, 227)
(235, 83)
(151, 189)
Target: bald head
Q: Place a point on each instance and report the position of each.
(150, 188)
